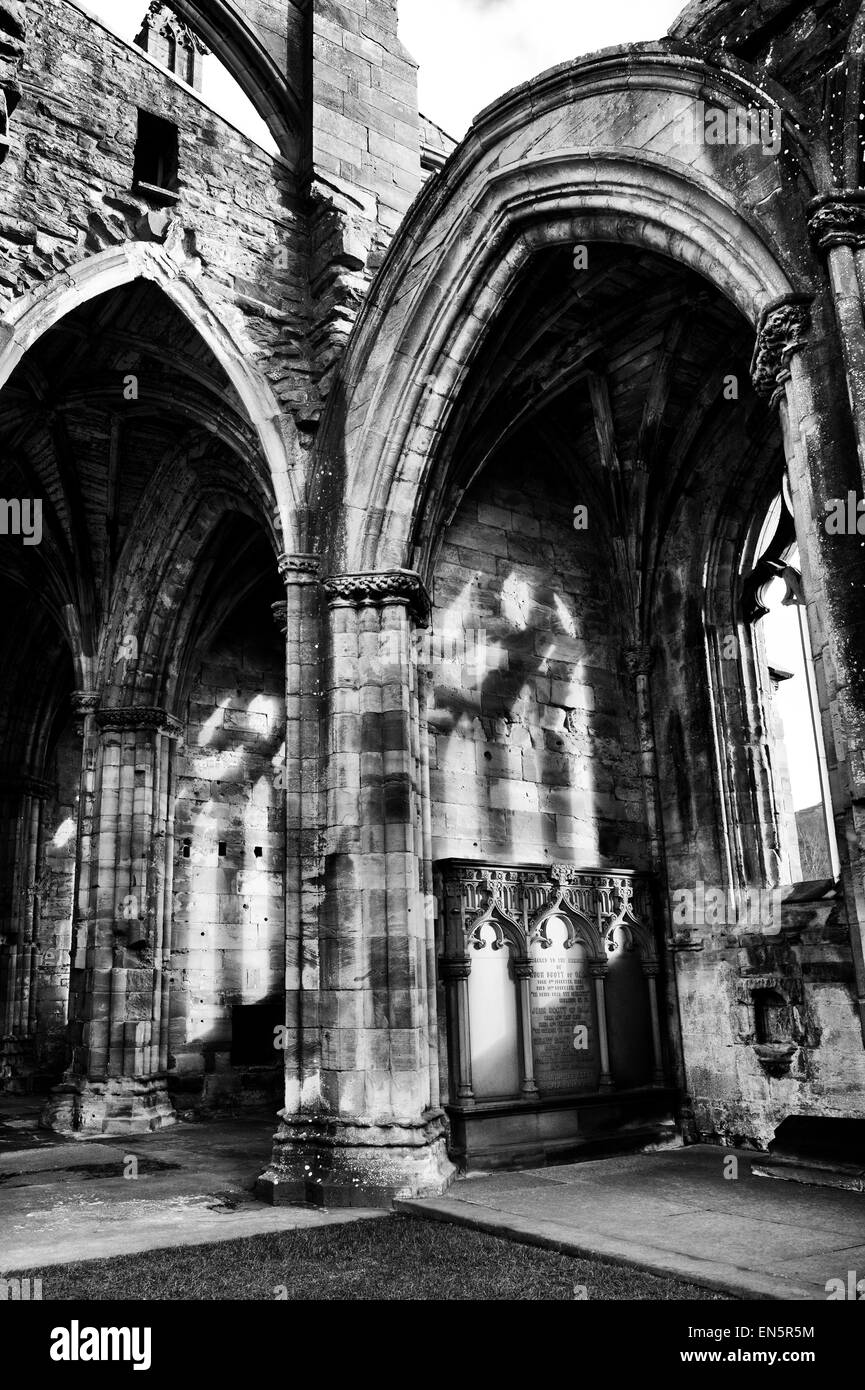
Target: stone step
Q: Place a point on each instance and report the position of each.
(848, 1177)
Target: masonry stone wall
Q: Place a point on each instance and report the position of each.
(229, 853)
(535, 757)
(67, 188)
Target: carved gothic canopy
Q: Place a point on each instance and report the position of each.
(599, 909)
(161, 19)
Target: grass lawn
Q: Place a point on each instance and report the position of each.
(396, 1257)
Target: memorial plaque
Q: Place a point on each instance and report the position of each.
(564, 1028)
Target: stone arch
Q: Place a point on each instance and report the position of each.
(581, 931)
(234, 41)
(459, 255)
(179, 279)
(157, 583)
(506, 933)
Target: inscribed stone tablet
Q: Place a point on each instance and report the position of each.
(564, 1028)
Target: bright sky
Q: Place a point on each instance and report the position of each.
(469, 51)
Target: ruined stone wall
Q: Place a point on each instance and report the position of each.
(229, 922)
(277, 24)
(366, 158)
(722, 802)
(12, 35)
(742, 1087)
(67, 189)
(535, 758)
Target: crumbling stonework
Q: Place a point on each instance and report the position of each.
(12, 35)
(401, 527)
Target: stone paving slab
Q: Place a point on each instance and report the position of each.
(58, 1158)
(673, 1213)
(77, 1229)
(53, 1214)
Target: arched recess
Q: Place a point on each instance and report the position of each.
(137, 472)
(181, 281)
(395, 468)
(39, 777)
(159, 589)
(537, 177)
(235, 43)
(225, 681)
(462, 253)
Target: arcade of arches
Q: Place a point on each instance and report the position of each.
(431, 696)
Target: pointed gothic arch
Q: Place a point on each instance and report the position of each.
(32, 316)
(469, 240)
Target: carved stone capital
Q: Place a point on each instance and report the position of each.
(389, 587)
(146, 718)
(456, 969)
(783, 328)
(639, 661)
(524, 969)
(299, 569)
(838, 219)
(86, 702)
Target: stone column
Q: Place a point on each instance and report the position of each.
(422, 700)
(117, 1083)
(650, 973)
(456, 977)
(298, 618)
(523, 970)
(374, 1130)
(837, 224)
(599, 973)
(797, 364)
(639, 661)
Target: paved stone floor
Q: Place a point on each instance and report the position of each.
(674, 1212)
(62, 1201)
(671, 1212)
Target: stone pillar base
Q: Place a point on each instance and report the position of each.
(85, 1109)
(336, 1163)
